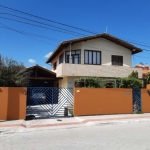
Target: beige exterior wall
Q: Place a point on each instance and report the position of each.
(56, 59)
(63, 82)
(67, 82)
(95, 70)
(71, 81)
(106, 47)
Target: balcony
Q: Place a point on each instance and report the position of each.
(66, 69)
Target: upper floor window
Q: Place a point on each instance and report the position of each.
(54, 65)
(92, 57)
(75, 57)
(117, 60)
(61, 57)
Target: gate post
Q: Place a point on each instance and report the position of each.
(52, 100)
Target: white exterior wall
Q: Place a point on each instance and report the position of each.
(106, 47)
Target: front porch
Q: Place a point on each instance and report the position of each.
(41, 77)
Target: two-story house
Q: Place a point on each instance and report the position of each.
(101, 55)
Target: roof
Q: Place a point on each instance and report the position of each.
(142, 66)
(145, 71)
(109, 37)
(41, 71)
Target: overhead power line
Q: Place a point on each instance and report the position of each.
(39, 17)
(41, 26)
(140, 44)
(73, 27)
(25, 13)
(6, 27)
(31, 36)
(42, 23)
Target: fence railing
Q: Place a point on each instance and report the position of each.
(48, 101)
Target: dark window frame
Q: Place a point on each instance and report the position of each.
(118, 60)
(92, 57)
(67, 57)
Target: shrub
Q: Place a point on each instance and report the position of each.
(131, 83)
(147, 78)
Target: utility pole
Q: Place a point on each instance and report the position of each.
(106, 28)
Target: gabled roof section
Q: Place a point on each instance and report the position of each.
(41, 72)
(109, 37)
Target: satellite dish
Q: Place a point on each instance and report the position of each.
(141, 63)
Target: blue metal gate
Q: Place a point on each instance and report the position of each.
(45, 102)
(136, 93)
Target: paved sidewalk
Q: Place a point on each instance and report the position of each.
(32, 125)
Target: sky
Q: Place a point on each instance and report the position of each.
(32, 40)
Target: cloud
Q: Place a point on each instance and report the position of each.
(48, 55)
(32, 61)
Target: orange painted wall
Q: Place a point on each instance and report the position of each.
(12, 103)
(148, 86)
(145, 101)
(3, 103)
(94, 101)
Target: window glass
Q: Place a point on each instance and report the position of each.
(67, 59)
(67, 53)
(54, 66)
(117, 60)
(98, 57)
(94, 58)
(78, 52)
(90, 57)
(75, 57)
(61, 57)
(72, 52)
(86, 57)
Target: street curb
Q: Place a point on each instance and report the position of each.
(21, 127)
(121, 122)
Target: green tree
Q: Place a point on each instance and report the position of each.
(12, 73)
(147, 79)
(131, 81)
(92, 82)
(134, 74)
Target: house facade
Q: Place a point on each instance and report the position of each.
(101, 55)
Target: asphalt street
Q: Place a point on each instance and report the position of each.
(131, 136)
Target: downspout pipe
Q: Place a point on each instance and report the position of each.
(70, 60)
